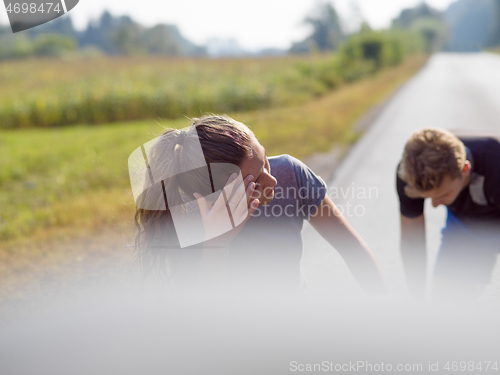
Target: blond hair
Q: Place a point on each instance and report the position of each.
(429, 155)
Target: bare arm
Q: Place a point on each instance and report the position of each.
(413, 253)
(334, 228)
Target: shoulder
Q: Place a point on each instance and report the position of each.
(485, 155)
(408, 207)
(307, 189)
(287, 167)
(400, 183)
(284, 166)
(288, 163)
(284, 160)
(482, 145)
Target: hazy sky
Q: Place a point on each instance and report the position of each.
(254, 24)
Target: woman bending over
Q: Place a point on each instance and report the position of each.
(212, 206)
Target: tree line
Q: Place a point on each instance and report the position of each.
(107, 35)
(465, 25)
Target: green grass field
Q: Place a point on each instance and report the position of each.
(45, 93)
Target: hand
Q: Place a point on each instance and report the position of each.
(235, 201)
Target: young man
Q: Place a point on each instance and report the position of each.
(464, 175)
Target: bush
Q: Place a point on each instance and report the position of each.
(53, 45)
(369, 51)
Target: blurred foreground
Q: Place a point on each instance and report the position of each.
(122, 331)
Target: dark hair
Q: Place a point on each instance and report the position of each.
(222, 140)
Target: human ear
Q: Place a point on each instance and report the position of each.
(467, 166)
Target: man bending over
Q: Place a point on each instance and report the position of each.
(464, 175)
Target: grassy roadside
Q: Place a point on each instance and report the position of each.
(62, 186)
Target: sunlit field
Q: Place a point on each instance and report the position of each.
(62, 92)
(70, 183)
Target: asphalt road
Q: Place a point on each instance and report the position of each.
(453, 91)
